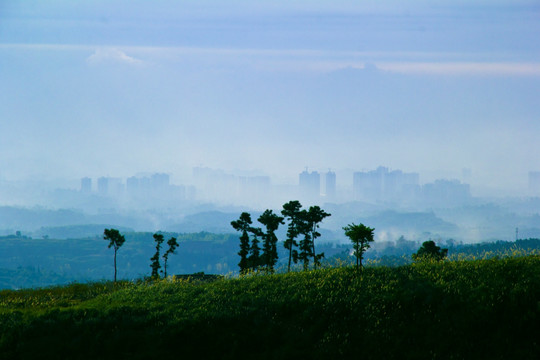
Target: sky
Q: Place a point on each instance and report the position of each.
(117, 87)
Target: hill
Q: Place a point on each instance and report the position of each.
(482, 309)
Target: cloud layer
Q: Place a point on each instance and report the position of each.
(108, 55)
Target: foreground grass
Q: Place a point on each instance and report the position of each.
(456, 309)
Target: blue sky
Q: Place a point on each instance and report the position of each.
(95, 88)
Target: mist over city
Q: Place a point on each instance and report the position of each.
(419, 119)
(153, 115)
(398, 202)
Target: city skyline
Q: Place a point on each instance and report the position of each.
(377, 185)
(113, 89)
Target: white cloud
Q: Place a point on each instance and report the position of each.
(111, 55)
(307, 60)
(463, 68)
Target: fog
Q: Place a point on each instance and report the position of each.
(255, 93)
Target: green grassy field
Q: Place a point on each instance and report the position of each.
(488, 309)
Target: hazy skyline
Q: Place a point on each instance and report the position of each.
(114, 88)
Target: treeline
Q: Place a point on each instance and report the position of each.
(60, 261)
(301, 223)
(494, 249)
(37, 263)
(116, 240)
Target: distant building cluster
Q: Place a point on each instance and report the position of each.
(137, 188)
(378, 186)
(381, 185)
(218, 185)
(447, 192)
(384, 185)
(309, 186)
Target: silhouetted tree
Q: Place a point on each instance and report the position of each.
(243, 224)
(255, 258)
(314, 216)
(155, 265)
(360, 235)
(291, 211)
(305, 246)
(430, 251)
(271, 221)
(116, 240)
(173, 244)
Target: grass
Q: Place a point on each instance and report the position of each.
(453, 309)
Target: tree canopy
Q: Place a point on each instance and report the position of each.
(116, 240)
(361, 236)
(243, 224)
(430, 251)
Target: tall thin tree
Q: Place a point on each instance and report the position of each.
(361, 236)
(315, 215)
(271, 222)
(243, 224)
(173, 244)
(291, 212)
(305, 245)
(155, 264)
(116, 240)
(255, 258)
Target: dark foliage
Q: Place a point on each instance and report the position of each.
(271, 222)
(173, 244)
(155, 264)
(243, 224)
(291, 211)
(116, 240)
(484, 309)
(314, 216)
(361, 236)
(430, 251)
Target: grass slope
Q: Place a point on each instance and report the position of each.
(483, 309)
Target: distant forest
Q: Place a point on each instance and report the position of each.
(26, 262)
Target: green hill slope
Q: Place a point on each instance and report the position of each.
(487, 309)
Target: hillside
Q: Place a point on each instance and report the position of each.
(482, 309)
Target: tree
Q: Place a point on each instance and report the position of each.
(291, 211)
(314, 216)
(173, 244)
(305, 246)
(361, 236)
(116, 240)
(271, 221)
(430, 251)
(254, 259)
(155, 265)
(243, 224)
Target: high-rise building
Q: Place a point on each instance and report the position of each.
(216, 184)
(447, 192)
(86, 185)
(310, 184)
(369, 185)
(160, 181)
(132, 185)
(103, 186)
(384, 185)
(330, 184)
